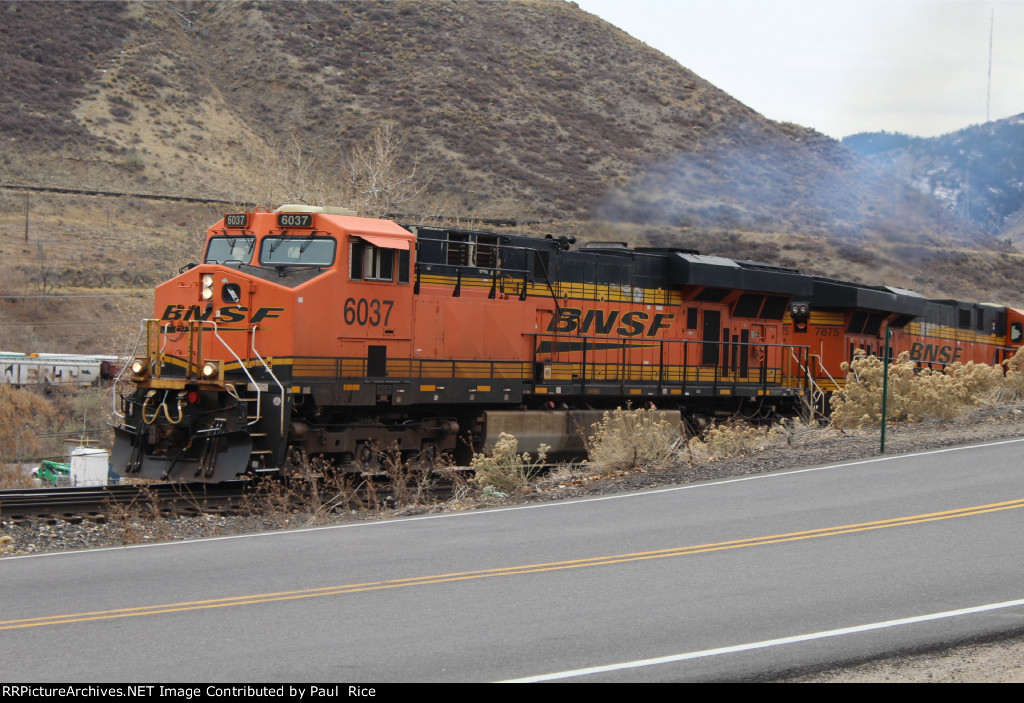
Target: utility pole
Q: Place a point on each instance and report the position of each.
(885, 386)
(26, 215)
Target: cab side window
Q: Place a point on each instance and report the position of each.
(372, 263)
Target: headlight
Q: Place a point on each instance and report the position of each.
(210, 370)
(139, 368)
(207, 292)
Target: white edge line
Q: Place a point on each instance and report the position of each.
(534, 506)
(572, 673)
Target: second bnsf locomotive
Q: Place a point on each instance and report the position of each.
(313, 329)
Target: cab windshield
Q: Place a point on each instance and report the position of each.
(297, 251)
(224, 249)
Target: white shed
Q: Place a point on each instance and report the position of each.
(89, 466)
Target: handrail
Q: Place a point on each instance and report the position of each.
(144, 328)
(144, 325)
(547, 279)
(271, 373)
(656, 349)
(241, 365)
(816, 390)
(834, 381)
(158, 362)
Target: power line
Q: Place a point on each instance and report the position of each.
(73, 433)
(115, 194)
(86, 323)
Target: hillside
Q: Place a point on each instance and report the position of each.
(532, 110)
(977, 172)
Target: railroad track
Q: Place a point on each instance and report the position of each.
(88, 502)
(76, 504)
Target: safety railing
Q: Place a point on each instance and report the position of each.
(157, 339)
(587, 359)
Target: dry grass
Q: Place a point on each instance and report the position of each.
(142, 520)
(36, 422)
(314, 493)
(504, 469)
(318, 492)
(397, 480)
(14, 477)
(917, 394)
(737, 437)
(25, 417)
(634, 438)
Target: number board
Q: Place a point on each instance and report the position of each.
(294, 219)
(236, 219)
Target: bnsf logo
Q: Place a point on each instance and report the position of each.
(228, 313)
(944, 354)
(631, 324)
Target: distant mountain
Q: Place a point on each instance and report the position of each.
(977, 172)
(868, 143)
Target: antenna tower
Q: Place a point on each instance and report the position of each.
(988, 97)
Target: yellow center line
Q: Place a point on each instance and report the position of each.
(510, 570)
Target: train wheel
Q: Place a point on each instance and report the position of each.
(368, 457)
(429, 453)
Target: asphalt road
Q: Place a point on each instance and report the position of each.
(730, 580)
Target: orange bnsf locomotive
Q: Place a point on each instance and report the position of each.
(312, 329)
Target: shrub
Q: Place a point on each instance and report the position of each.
(1013, 383)
(133, 161)
(733, 438)
(503, 468)
(914, 394)
(314, 491)
(634, 438)
(25, 417)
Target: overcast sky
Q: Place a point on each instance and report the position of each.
(844, 66)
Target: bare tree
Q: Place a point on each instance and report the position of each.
(383, 176)
(377, 177)
(186, 12)
(47, 273)
(285, 172)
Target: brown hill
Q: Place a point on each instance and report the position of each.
(534, 110)
(534, 107)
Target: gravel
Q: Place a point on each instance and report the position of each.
(998, 661)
